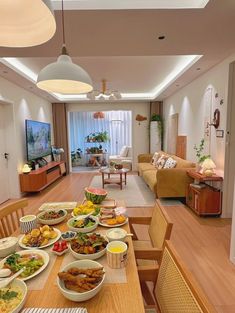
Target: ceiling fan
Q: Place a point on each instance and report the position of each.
(104, 94)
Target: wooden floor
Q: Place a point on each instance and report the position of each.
(203, 243)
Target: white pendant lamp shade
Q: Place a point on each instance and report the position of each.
(65, 77)
(26, 23)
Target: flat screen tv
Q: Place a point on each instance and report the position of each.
(38, 139)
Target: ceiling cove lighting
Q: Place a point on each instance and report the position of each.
(26, 23)
(63, 76)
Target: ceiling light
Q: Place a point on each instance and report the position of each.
(161, 37)
(104, 94)
(63, 76)
(26, 23)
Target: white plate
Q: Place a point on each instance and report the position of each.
(22, 245)
(111, 226)
(44, 255)
(69, 206)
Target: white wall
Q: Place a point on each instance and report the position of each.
(140, 133)
(20, 105)
(193, 103)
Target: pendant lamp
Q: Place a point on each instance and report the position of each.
(26, 23)
(63, 76)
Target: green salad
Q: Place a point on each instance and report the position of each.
(83, 223)
(32, 262)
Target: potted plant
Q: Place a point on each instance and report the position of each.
(199, 154)
(156, 132)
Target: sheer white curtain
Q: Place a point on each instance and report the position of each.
(116, 123)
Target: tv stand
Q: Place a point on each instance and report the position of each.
(39, 179)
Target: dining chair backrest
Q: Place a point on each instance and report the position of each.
(160, 226)
(10, 216)
(176, 290)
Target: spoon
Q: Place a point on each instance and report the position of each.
(4, 272)
(85, 216)
(7, 281)
(129, 234)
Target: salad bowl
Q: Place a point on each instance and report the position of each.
(83, 223)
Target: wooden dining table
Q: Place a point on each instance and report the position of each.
(113, 297)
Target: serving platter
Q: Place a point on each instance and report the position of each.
(69, 206)
(42, 253)
(112, 226)
(51, 241)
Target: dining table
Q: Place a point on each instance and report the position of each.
(121, 292)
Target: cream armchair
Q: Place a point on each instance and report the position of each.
(124, 157)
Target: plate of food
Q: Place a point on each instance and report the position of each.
(69, 206)
(52, 217)
(112, 218)
(34, 261)
(91, 246)
(40, 238)
(83, 223)
(85, 208)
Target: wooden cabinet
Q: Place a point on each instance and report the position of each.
(39, 179)
(202, 197)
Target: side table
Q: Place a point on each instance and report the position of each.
(202, 196)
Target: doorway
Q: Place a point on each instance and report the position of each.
(4, 181)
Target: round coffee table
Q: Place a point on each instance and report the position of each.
(122, 176)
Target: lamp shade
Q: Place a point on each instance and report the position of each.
(208, 164)
(64, 77)
(26, 169)
(26, 23)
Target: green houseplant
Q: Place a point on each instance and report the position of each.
(199, 153)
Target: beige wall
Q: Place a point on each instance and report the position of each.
(140, 133)
(20, 105)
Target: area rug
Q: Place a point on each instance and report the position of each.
(135, 194)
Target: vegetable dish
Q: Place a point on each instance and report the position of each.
(88, 243)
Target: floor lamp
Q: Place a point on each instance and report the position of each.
(116, 123)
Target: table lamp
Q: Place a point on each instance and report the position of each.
(26, 169)
(207, 167)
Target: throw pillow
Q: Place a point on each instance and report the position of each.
(161, 161)
(124, 151)
(170, 163)
(155, 157)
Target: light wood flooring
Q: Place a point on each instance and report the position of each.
(203, 243)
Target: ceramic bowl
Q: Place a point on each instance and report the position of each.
(53, 221)
(20, 284)
(77, 296)
(68, 235)
(82, 229)
(7, 246)
(116, 234)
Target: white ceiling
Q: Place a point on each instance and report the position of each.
(122, 46)
(128, 4)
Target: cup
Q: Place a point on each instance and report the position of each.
(116, 254)
(27, 223)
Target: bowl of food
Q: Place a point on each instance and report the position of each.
(87, 207)
(7, 246)
(116, 234)
(88, 246)
(13, 296)
(68, 235)
(52, 217)
(89, 272)
(83, 224)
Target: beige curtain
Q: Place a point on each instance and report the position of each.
(59, 113)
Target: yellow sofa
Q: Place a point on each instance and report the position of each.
(166, 182)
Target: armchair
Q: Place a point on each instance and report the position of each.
(124, 157)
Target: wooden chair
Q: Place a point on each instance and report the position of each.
(175, 289)
(149, 252)
(10, 215)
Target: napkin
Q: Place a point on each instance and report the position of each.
(53, 310)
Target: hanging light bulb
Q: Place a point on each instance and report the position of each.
(63, 76)
(26, 23)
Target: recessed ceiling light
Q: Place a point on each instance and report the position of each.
(161, 37)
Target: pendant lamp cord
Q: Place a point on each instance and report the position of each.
(64, 50)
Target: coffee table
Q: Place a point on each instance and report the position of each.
(107, 171)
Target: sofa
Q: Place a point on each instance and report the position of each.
(165, 182)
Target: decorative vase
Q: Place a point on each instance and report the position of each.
(57, 157)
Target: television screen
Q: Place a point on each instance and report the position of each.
(38, 139)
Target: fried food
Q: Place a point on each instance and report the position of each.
(80, 279)
(39, 237)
